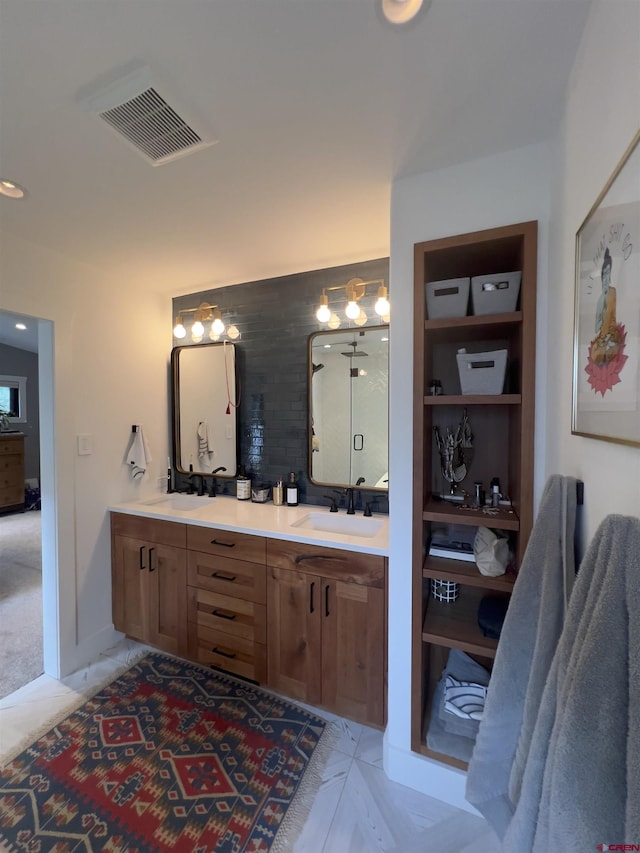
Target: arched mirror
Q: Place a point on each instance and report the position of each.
(348, 398)
(204, 409)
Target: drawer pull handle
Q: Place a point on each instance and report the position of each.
(218, 651)
(311, 589)
(326, 600)
(230, 578)
(222, 615)
(151, 568)
(224, 544)
(300, 558)
(142, 566)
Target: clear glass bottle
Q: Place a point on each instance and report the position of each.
(292, 490)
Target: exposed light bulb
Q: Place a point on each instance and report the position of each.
(233, 332)
(361, 319)
(323, 313)
(386, 318)
(179, 330)
(382, 306)
(197, 330)
(217, 327)
(352, 310)
(334, 322)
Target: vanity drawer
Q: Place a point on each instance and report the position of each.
(227, 543)
(149, 529)
(347, 566)
(244, 619)
(233, 654)
(235, 578)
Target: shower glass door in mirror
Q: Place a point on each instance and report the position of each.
(348, 407)
(204, 408)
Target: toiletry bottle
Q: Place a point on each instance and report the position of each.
(243, 486)
(495, 492)
(278, 493)
(292, 490)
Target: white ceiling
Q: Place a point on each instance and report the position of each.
(317, 106)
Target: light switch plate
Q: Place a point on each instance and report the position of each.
(85, 445)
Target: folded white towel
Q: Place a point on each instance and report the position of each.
(204, 442)
(139, 455)
(464, 698)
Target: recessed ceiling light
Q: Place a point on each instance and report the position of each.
(401, 11)
(11, 189)
(21, 326)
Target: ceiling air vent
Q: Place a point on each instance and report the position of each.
(134, 108)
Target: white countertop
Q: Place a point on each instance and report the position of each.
(275, 522)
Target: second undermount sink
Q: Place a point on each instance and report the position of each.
(350, 525)
(178, 502)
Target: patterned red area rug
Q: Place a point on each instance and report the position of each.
(170, 756)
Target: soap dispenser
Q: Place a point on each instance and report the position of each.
(292, 490)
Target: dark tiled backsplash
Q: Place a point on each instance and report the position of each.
(275, 318)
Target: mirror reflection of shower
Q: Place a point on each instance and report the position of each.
(349, 407)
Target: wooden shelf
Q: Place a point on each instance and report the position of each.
(465, 573)
(473, 400)
(452, 513)
(455, 624)
(475, 322)
(503, 441)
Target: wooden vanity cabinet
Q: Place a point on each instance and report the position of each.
(149, 564)
(227, 601)
(11, 472)
(326, 630)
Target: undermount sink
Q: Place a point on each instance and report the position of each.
(350, 525)
(179, 503)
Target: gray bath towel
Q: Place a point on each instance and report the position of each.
(581, 785)
(528, 641)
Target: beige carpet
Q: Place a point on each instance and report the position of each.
(21, 658)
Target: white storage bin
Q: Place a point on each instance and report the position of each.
(482, 372)
(495, 294)
(447, 298)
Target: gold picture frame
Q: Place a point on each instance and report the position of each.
(606, 350)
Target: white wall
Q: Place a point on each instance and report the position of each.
(500, 190)
(103, 354)
(556, 184)
(601, 118)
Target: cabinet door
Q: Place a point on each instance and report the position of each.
(353, 618)
(130, 587)
(167, 574)
(294, 634)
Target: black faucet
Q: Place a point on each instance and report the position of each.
(350, 507)
(200, 477)
(334, 503)
(214, 484)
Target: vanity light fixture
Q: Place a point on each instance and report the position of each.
(204, 313)
(355, 289)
